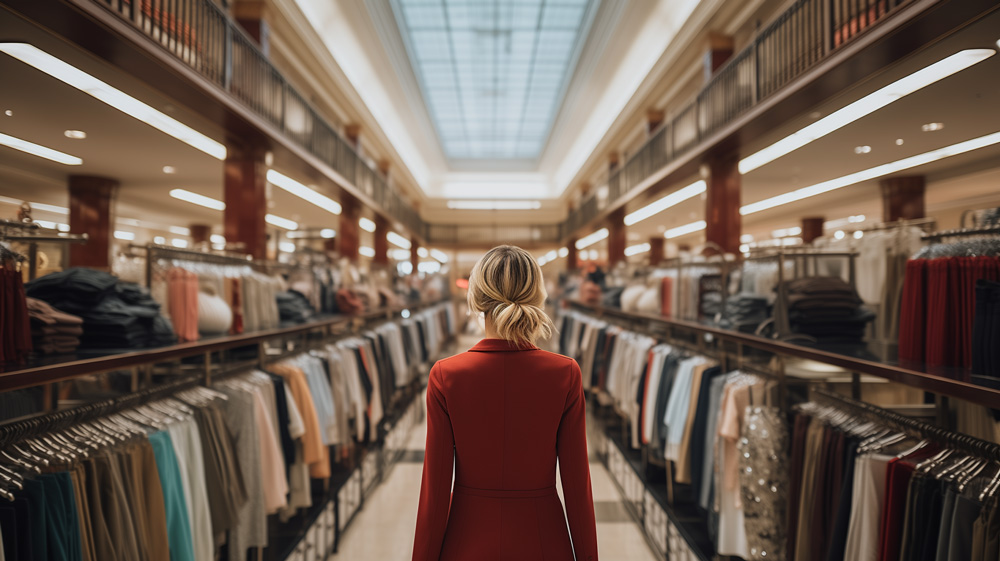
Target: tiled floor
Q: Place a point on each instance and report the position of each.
(383, 530)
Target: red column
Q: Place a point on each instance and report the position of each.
(200, 233)
(720, 50)
(903, 198)
(812, 228)
(414, 256)
(349, 235)
(90, 200)
(572, 258)
(616, 237)
(381, 244)
(722, 205)
(657, 250)
(246, 199)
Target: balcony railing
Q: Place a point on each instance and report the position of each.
(806, 33)
(201, 34)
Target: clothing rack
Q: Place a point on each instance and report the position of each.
(962, 232)
(155, 252)
(923, 223)
(920, 429)
(49, 422)
(34, 239)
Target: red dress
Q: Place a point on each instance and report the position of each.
(504, 415)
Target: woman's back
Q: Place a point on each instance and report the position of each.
(499, 416)
(505, 415)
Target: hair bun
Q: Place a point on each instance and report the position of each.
(506, 284)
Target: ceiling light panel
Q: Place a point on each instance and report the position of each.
(39, 150)
(493, 73)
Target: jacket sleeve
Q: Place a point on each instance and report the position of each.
(435, 486)
(574, 470)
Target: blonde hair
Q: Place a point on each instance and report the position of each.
(506, 285)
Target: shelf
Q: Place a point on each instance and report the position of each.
(917, 376)
(53, 369)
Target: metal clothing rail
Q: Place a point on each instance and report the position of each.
(962, 232)
(34, 239)
(910, 376)
(971, 444)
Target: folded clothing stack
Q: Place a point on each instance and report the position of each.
(827, 308)
(745, 312)
(53, 331)
(116, 315)
(294, 308)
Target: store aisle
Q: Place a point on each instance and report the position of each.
(383, 530)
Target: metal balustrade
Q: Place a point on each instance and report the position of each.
(201, 34)
(798, 39)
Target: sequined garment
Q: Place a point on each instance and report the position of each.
(763, 448)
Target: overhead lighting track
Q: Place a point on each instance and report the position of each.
(73, 76)
(866, 106)
(872, 173)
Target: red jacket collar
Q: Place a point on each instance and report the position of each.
(495, 345)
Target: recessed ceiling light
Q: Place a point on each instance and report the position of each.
(39, 150)
(124, 235)
(280, 222)
(670, 200)
(169, 169)
(303, 192)
(858, 234)
(685, 229)
(862, 149)
(839, 234)
(8, 113)
(327, 233)
(873, 173)
(69, 74)
(591, 239)
(563, 251)
(159, 240)
(899, 142)
(75, 134)
(177, 242)
(180, 230)
(866, 106)
(931, 127)
(815, 115)
(197, 199)
(366, 251)
(397, 239)
(494, 205)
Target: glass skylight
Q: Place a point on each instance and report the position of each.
(493, 72)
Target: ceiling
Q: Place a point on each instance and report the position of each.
(493, 73)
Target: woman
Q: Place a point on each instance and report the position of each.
(503, 412)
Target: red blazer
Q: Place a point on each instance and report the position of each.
(503, 416)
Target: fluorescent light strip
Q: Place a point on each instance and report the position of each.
(397, 239)
(637, 249)
(39, 150)
(217, 239)
(563, 251)
(866, 105)
(303, 192)
(677, 197)
(422, 252)
(327, 233)
(287, 247)
(366, 224)
(400, 254)
(176, 242)
(195, 198)
(179, 230)
(439, 255)
(123, 235)
(872, 173)
(592, 238)
(64, 72)
(685, 229)
(36, 206)
(494, 205)
(280, 222)
(366, 251)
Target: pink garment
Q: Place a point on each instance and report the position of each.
(182, 287)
